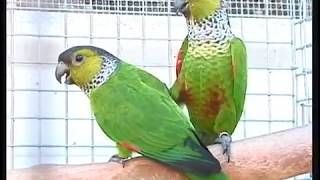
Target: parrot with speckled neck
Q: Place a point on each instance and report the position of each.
(135, 110)
(211, 72)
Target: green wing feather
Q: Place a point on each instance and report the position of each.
(135, 107)
(239, 59)
(177, 86)
(229, 117)
(152, 82)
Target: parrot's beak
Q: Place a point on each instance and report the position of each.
(182, 6)
(61, 70)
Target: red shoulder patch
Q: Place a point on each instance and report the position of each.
(130, 147)
(179, 62)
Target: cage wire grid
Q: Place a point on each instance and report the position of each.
(52, 123)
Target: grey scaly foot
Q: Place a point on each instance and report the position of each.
(116, 158)
(225, 140)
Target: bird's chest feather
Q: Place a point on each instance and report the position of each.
(208, 83)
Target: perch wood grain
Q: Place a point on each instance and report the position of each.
(270, 157)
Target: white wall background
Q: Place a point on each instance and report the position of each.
(50, 123)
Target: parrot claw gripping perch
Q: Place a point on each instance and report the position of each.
(225, 140)
(117, 159)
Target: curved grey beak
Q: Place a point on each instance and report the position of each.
(182, 6)
(61, 70)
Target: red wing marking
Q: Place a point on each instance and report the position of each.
(179, 62)
(130, 147)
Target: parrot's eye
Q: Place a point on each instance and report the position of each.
(79, 58)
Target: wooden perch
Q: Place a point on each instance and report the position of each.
(270, 157)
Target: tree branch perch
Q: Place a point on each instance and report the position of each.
(270, 157)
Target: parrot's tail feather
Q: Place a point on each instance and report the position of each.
(203, 164)
(191, 158)
(217, 176)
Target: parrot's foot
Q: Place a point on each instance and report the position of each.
(225, 140)
(116, 158)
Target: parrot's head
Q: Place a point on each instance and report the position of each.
(197, 9)
(80, 64)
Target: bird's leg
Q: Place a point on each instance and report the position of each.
(117, 159)
(123, 155)
(225, 140)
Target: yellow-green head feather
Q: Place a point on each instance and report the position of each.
(200, 9)
(88, 67)
(83, 62)
(196, 10)
(85, 71)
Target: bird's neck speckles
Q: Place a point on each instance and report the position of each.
(109, 65)
(211, 34)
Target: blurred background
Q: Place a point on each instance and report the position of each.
(51, 123)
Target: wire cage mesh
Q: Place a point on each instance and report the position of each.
(52, 123)
(276, 8)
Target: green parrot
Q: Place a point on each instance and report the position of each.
(211, 72)
(136, 111)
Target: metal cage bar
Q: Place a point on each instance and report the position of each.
(245, 8)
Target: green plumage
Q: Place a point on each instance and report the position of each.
(134, 109)
(213, 77)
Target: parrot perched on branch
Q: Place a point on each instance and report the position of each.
(134, 109)
(211, 72)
